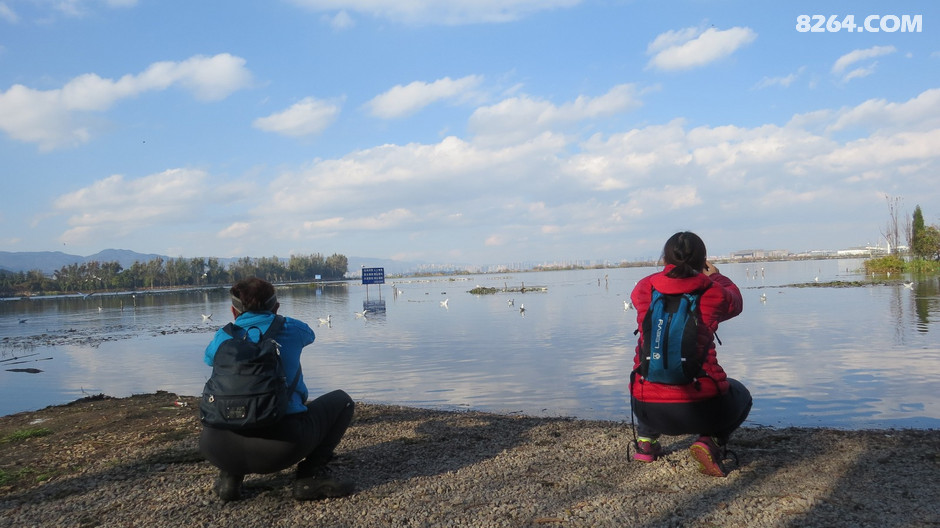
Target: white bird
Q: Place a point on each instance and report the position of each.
(361, 314)
(816, 279)
(522, 309)
(206, 317)
(627, 305)
(763, 297)
(909, 285)
(328, 321)
(444, 303)
(511, 302)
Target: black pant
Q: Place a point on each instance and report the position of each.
(718, 416)
(308, 438)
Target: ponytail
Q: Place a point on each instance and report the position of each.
(686, 251)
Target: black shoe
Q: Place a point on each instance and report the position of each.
(322, 485)
(228, 486)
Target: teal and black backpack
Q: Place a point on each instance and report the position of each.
(248, 388)
(669, 352)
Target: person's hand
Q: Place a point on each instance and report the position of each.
(709, 268)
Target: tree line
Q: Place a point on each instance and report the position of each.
(923, 244)
(171, 273)
(923, 241)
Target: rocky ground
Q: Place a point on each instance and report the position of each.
(134, 462)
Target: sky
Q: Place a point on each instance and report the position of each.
(476, 132)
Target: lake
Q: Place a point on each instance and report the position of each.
(855, 357)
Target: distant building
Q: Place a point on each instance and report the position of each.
(757, 254)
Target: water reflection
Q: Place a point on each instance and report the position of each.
(846, 357)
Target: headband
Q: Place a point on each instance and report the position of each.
(268, 305)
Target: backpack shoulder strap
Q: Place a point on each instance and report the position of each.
(231, 329)
(275, 327)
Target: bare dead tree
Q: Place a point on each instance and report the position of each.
(892, 232)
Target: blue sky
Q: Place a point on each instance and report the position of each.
(465, 131)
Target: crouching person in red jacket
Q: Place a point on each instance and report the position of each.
(712, 406)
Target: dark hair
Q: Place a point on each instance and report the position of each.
(253, 295)
(686, 251)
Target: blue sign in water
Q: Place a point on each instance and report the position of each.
(373, 275)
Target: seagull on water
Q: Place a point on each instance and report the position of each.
(627, 305)
(206, 317)
(763, 297)
(522, 309)
(511, 302)
(909, 285)
(328, 321)
(444, 303)
(361, 314)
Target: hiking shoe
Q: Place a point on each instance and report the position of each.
(228, 486)
(709, 456)
(322, 485)
(647, 450)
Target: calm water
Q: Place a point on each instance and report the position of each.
(842, 357)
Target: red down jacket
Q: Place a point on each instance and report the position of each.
(721, 301)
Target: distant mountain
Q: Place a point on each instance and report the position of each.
(51, 261)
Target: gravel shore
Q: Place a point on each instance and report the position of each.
(128, 462)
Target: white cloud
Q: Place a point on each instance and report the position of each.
(843, 62)
(552, 191)
(401, 101)
(450, 12)
(691, 48)
(79, 8)
(115, 205)
(55, 118)
(858, 73)
(8, 14)
(235, 230)
(515, 198)
(919, 113)
(306, 117)
(886, 152)
(784, 81)
(627, 159)
(522, 117)
(341, 21)
(669, 197)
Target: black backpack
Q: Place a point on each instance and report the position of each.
(669, 353)
(248, 388)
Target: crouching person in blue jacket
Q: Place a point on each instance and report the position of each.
(309, 431)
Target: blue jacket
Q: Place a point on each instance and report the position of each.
(293, 337)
